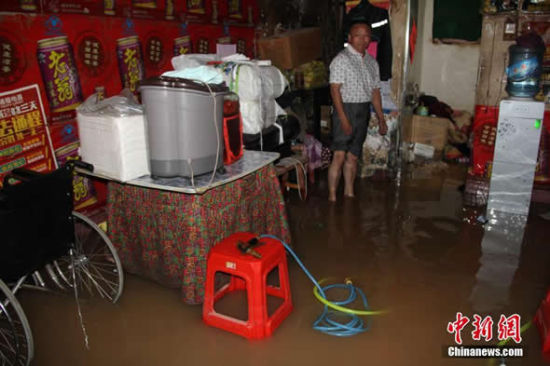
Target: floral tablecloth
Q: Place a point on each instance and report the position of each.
(165, 236)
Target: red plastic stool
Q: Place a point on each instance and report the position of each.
(247, 273)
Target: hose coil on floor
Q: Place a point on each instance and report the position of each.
(327, 322)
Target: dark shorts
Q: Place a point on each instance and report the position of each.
(358, 115)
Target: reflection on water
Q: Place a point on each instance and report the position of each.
(429, 240)
(501, 250)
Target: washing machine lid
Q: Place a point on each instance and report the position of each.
(181, 83)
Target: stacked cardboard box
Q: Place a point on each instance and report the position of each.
(291, 49)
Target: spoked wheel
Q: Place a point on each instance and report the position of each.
(16, 344)
(97, 268)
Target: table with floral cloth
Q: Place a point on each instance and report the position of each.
(165, 235)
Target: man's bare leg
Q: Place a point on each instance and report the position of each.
(350, 171)
(334, 173)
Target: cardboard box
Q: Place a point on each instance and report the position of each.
(426, 130)
(291, 49)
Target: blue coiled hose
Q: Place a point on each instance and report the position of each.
(325, 322)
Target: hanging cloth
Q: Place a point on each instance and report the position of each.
(379, 21)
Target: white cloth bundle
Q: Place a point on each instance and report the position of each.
(251, 113)
(257, 87)
(274, 82)
(258, 117)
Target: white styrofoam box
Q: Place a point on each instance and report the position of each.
(223, 50)
(115, 146)
(424, 150)
(511, 187)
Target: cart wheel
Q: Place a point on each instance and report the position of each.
(97, 267)
(16, 344)
(50, 270)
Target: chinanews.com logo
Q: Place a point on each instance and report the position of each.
(508, 330)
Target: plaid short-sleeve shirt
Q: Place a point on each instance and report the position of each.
(358, 74)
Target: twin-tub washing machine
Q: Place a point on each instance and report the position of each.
(182, 116)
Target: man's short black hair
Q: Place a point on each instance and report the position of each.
(363, 21)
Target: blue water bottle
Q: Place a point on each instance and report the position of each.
(524, 70)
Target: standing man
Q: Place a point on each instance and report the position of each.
(354, 85)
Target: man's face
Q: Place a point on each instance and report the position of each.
(359, 37)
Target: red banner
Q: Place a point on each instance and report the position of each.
(72, 56)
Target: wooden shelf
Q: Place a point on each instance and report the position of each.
(516, 13)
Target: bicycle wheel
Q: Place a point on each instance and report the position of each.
(97, 268)
(16, 344)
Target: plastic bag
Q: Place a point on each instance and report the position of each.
(192, 60)
(121, 105)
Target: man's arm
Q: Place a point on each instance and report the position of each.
(339, 105)
(377, 104)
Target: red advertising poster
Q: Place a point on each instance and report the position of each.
(239, 11)
(235, 9)
(151, 4)
(182, 45)
(170, 10)
(157, 46)
(85, 7)
(28, 6)
(196, 6)
(199, 11)
(24, 138)
(152, 9)
(13, 62)
(71, 56)
(130, 62)
(73, 6)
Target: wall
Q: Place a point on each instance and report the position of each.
(448, 72)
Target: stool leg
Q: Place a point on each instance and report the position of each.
(209, 295)
(257, 307)
(284, 281)
(225, 322)
(237, 283)
(276, 290)
(286, 307)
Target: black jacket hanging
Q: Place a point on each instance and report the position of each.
(379, 21)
